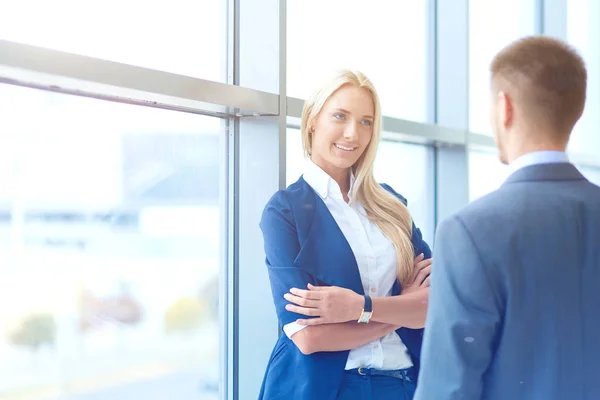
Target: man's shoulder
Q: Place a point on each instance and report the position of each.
(512, 205)
(489, 205)
(492, 215)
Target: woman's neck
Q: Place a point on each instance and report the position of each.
(340, 175)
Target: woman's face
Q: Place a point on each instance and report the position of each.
(343, 129)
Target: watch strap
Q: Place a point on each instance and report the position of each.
(367, 312)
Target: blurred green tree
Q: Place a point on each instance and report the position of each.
(34, 331)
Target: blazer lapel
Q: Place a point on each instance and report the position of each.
(324, 250)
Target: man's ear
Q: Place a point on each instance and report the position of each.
(506, 109)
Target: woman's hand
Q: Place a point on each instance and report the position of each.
(420, 277)
(331, 304)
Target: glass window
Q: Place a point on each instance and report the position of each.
(109, 249)
(408, 168)
(492, 25)
(295, 159)
(486, 173)
(583, 31)
(187, 37)
(405, 167)
(386, 40)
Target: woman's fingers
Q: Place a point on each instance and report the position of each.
(310, 312)
(423, 274)
(301, 301)
(419, 258)
(312, 321)
(424, 263)
(417, 261)
(307, 294)
(419, 266)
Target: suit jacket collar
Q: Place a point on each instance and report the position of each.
(538, 157)
(546, 172)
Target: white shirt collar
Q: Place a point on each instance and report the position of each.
(321, 182)
(537, 157)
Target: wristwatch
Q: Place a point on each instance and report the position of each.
(367, 311)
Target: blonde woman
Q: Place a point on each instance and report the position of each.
(332, 240)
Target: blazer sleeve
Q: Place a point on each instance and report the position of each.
(281, 249)
(419, 244)
(463, 319)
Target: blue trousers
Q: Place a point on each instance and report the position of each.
(369, 385)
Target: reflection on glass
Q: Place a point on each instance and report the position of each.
(186, 37)
(405, 167)
(486, 173)
(109, 250)
(386, 40)
(492, 25)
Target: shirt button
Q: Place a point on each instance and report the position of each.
(373, 290)
(376, 346)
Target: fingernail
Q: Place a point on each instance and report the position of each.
(288, 307)
(286, 295)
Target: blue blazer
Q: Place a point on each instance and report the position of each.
(303, 244)
(514, 304)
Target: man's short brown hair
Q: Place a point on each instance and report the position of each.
(546, 78)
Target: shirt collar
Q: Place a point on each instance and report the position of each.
(538, 157)
(321, 182)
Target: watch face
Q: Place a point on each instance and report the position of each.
(365, 317)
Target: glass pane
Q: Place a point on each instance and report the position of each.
(326, 35)
(294, 156)
(405, 167)
(186, 37)
(109, 250)
(583, 31)
(486, 174)
(408, 168)
(492, 25)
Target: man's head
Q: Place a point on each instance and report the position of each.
(538, 94)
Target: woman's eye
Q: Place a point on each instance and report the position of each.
(367, 122)
(339, 116)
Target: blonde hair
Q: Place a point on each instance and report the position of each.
(383, 208)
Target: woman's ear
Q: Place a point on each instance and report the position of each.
(311, 127)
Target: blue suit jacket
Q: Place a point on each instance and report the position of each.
(303, 244)
(514, 306)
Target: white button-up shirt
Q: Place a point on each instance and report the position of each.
(536, 158)
(377, 263)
